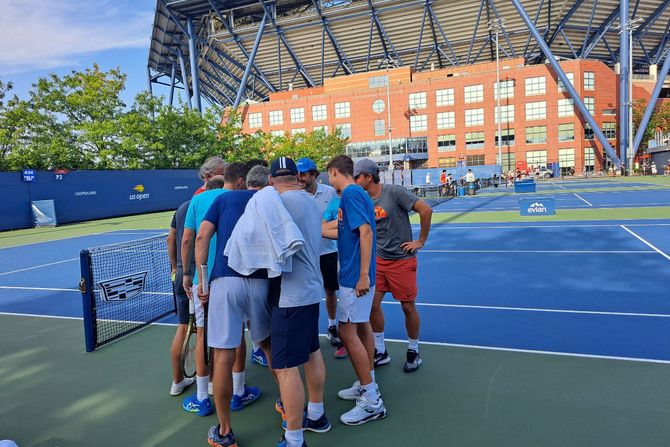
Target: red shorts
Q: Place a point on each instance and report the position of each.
(398, 277)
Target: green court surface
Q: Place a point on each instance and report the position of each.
(53, 394)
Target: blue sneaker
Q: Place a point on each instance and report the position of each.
(251, 394)
(199, 407)
(258, 356)
(282, 442)
(216, 440)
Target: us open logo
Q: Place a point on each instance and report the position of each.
(124, 287)
(537, 207)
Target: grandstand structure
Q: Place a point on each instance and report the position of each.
(234, 52)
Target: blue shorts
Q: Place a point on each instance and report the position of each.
(294, 335)
(180, 297)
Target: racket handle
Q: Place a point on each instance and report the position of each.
(191, 306)
(204, 278)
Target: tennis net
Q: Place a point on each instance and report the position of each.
(125, 287)
(433, 195)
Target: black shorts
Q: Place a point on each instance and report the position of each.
(294, 335)
(180, 297)
(329, 271)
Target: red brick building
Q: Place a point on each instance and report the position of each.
(440, 117)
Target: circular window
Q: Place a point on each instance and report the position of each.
(378, 106)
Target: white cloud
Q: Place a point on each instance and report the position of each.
(41, 34)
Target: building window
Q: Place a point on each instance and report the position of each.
(588, 132)
(506, 114)
(508, 161)
(474, 117)
(536, 158)
(589, 159)
(255, 120)
(297, 115)
(323, 129)
(566, 132)
(609, 112)
(277, 133)
(590, 104)
(444, 97)
(319, 113)
(345, 129)
(474, 93)
(571, 78)
(377, 81)
(418, 123)
(297, 131)
(446, 120)
(536, 86)
(276, 118)
(566, 158)
(380, 128)
(446, 143)
(475, 160)
(507, 137)
(609, 129)
(506, 89)
(342, 110)
(417, 100)
(566, 107)
(536, 135)
(474, 140)
(536, 110)
(446, 162)
(589, 80)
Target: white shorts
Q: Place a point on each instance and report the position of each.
(352, 308)
(233, 301)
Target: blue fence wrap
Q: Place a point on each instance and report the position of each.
(86, 195)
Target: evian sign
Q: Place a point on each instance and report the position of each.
(537, 206)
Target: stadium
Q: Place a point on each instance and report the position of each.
(302, 66)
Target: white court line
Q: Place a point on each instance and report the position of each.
(442, 226)
(104, 233)
(39, 266)
(432, 343)
(647, 243)
(616, 252)
(47, 289)
(559, 186)
(583, 199)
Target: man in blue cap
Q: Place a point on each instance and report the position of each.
(324, 195)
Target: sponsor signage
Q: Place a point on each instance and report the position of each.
(124, 287)
(28, 175)
(538, 206)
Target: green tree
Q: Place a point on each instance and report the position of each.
(317, 145)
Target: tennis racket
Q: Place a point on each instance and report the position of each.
(204, 283)
(188, 348)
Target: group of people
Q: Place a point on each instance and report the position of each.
(272, 242)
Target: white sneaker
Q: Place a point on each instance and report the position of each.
(364, 411)
(354, 392)
(178, 388)
(210, 388)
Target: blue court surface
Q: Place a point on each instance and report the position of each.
(596, 289)
(504, 199)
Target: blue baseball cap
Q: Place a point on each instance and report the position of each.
(283, 166)
(306, 164)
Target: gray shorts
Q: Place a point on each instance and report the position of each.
(352, 308)
(233, 301)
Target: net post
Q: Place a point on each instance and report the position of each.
(88, 300)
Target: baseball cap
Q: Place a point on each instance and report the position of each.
(365, 166)
(283, 166)
(306, 164)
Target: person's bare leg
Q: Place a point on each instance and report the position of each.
(315, 375)
(358, 353)
(292, 396)
(376, 314)
(240, 356)
(368, 340)
(223, 386)
(412, 320)
(175, 352)
(331, 303)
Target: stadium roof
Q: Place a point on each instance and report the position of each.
(304, 42)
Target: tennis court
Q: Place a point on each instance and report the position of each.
(535, 333)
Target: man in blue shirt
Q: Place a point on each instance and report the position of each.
(356, 243)
(233, 299)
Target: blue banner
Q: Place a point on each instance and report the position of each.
(538, 206)
(87, 195)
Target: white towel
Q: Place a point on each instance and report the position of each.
(265, 237)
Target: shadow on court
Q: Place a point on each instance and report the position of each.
(55, 394)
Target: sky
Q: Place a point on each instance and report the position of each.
(38, 37)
